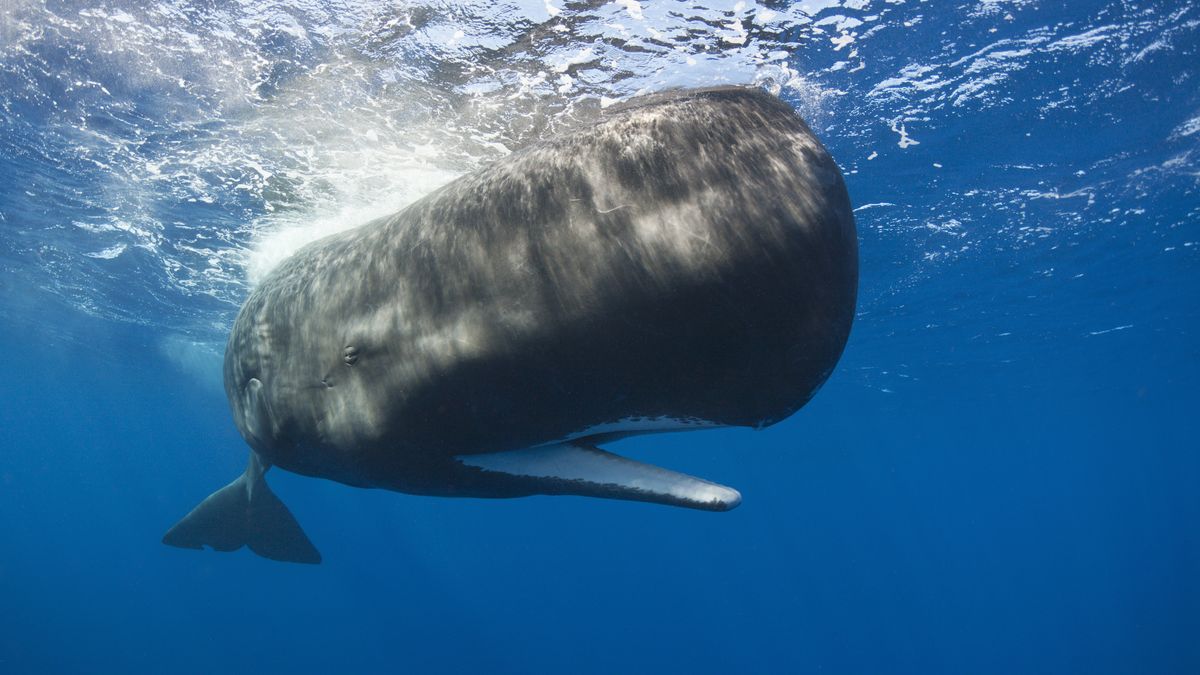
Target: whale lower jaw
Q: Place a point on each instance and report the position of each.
(578, 468)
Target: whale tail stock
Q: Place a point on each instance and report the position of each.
(245, 513)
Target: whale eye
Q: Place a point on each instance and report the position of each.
(350, 355)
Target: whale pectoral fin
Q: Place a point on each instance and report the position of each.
(245, 513)
(581, 469)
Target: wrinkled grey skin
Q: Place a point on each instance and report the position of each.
(690, 257)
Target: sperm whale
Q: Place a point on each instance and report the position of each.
(687, 261)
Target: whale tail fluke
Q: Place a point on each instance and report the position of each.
(245, 513)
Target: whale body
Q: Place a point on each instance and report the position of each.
(688, 261)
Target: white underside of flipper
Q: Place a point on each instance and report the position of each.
(577, 468)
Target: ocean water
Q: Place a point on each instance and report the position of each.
(1001, 476)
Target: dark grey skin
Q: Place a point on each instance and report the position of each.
(689, 261)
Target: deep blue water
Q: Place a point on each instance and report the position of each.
(1001, 476)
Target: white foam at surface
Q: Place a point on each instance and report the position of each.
(108, 253)
(633, 7)
(290, 234)
(1188, 128)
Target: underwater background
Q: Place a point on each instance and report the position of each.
(1001, 476)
